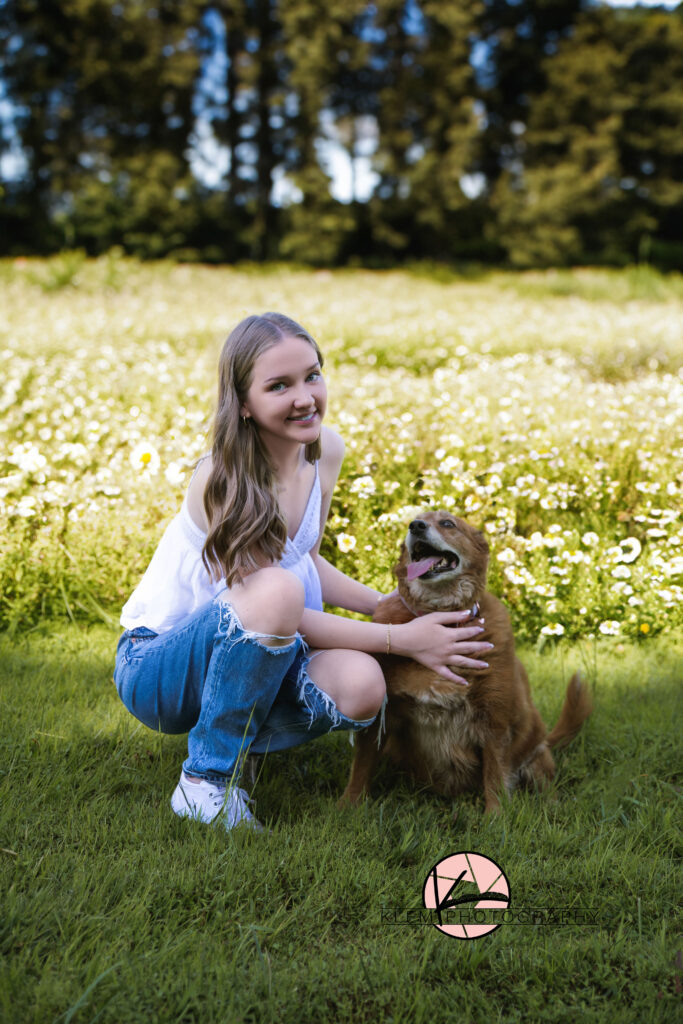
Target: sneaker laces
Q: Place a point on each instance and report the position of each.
(217, 797)
(236, 808)
(241, 803)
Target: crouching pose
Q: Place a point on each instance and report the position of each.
(225, 637)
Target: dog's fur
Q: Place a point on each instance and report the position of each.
(451, 737)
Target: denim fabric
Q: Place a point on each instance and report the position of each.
(220, 683)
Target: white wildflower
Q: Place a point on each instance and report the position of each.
(28, 458)
(363, 486)
(507, 556)
(145, 458)
(175, 474)
(631, 548)
(346, 542)
(555, 629)
(621, 572)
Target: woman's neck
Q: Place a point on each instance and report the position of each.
(287, 461)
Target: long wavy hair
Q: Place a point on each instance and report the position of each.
(239, 498)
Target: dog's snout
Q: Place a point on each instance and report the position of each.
(417, 526)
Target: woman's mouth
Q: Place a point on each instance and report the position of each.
(306, 418)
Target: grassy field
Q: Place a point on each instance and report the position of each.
(115, 910)
(546, 408)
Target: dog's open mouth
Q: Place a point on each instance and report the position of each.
(429, 562)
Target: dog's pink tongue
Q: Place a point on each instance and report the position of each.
(415, 569)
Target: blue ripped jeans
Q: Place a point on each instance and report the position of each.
(220, 683)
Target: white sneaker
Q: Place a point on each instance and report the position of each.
(206, 801)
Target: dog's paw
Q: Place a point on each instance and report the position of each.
(350, 799)
(492, 808)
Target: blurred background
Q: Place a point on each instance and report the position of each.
(333, 132)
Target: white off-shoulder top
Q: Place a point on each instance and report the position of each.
(176, 583)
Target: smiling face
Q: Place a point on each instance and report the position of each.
(443, 562)
(287, 396)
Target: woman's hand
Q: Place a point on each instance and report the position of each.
(440, 641)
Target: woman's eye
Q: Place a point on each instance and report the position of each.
(274, 387)
(316, 375)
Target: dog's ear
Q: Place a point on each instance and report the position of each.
(476, 536)
(481, 542)
(399, 570)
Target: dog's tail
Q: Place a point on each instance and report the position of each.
(575, 710)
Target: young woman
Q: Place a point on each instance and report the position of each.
(225, 637)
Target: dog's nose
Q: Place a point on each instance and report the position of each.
(417, 526)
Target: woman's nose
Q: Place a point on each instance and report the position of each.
(303, 397)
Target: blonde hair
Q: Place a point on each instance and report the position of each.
(241, 506)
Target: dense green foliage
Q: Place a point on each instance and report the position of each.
(537, 132)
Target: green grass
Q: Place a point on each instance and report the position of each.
(114, 910)
(544, 408)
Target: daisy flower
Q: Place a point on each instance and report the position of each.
(631, 548)
(346, 542)
(145, 458)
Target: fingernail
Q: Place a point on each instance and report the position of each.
(490, 646)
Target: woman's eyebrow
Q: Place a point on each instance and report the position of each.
(284, 376)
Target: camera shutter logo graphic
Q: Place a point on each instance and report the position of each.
(460, 885)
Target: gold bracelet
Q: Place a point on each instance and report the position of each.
(388, 638)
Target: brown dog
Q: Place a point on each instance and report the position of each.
(451, 737)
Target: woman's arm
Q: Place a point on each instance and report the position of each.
(431, 639)
(342, 591)
(338, 589)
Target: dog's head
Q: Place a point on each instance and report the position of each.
(443, 563)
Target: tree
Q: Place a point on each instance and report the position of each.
(515, 40)
(428, 127)
(95, 86)
(450, 131)
(600, 158)
(329, 93)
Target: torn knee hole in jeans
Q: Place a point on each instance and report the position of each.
(275, 641)
(231, 624)
(269, 641)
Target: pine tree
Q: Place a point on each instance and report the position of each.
(103, 97)
(328, 95)
(600, 159)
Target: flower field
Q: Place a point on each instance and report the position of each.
(545, 408)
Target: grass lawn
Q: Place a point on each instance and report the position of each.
(544, 407)
(114, 910)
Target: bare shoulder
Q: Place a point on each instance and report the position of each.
(195, 493)
(331, 458)
(332, 449)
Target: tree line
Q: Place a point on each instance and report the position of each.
(530, 132)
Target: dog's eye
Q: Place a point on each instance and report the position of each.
(448, 523)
